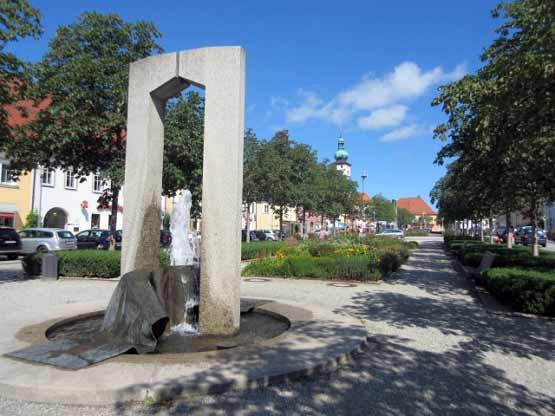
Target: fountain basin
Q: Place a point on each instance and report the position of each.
(257, 325)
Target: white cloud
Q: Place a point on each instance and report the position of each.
(406, 132)
(383, 117)
(378, 95)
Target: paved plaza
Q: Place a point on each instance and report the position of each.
(434, 350)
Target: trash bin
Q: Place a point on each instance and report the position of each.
(49, 268)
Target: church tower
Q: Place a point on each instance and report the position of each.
(341, 157)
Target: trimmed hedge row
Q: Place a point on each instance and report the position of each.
(84, 263)
(527, 291)
(470, 254)
(259, 249)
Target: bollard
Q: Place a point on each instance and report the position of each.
(49, 269)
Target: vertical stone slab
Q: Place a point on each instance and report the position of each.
(222, 72)
(143, 162)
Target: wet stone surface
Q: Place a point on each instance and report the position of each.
(255, 327)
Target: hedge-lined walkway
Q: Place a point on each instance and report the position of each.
(434, 351)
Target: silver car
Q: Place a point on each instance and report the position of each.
(46, 239)
(392, 233)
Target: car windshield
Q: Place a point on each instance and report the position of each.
(65, 234)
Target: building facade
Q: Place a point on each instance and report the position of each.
(15, 196)
(65, 201)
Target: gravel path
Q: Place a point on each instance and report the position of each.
(434, 351)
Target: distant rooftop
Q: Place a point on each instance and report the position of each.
(415, 205)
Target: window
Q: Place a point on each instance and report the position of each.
(47, 177)
(71, 182)
(266, 209)
(6, 175)
(98, 184)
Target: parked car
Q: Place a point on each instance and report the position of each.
(165, 239)
(261, 235)
(280, 235)
(501, 233)
(93, 239)
(46, 239)
(270, 235)
(392, 233)
(10, 243)
(525, 236)
(252, 235)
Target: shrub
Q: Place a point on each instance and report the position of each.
(259, 249)
(416, 233)
(390, 262)
(528, 291)
(450, 237)
(322, 249)
(84, 263)
(331, 267)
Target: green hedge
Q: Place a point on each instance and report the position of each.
(527, 291)
(331, 267)
(451, 237)
(416, 233)
(84, 263)
(259, 249)
(471, 255)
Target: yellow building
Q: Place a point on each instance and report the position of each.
(267, 219)
(15, 197)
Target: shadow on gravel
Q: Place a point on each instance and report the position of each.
(393, 378)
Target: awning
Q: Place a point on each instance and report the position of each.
(7, 215)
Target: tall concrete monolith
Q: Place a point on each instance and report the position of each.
(221, 72)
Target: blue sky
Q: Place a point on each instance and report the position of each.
(367, 68)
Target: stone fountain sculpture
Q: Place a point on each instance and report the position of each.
(221, 72)
(148, 299)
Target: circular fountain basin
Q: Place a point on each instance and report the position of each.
(256, 326)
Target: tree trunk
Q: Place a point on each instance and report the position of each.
(534, 218)
(281, 208)
(305, 231)
(481, 231)
(248, 225)
(490, 220)
(509, 229)
(114, 217)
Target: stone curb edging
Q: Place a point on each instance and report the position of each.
(486, 299)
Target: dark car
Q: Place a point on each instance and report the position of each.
(261, 235)
(525, 236)
(92, 239)
(501, 233)
(165, 238)
(252, 235)
(10, 243)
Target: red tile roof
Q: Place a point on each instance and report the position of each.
(416, 206)
(16, 117)
(363, 197)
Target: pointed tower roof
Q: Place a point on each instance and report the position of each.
(341, 155)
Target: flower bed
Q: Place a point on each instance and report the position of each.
(369, 261)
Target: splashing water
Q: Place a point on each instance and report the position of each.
(182, 253)
(185, 252)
